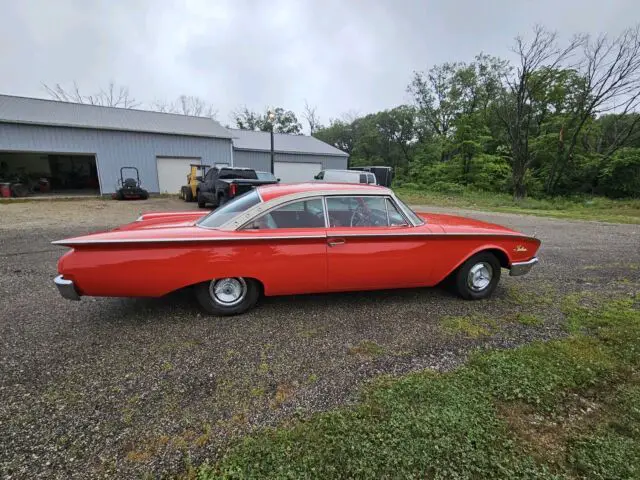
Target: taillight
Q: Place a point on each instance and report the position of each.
(232, 189)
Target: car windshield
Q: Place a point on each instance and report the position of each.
(415, 219)
(229, 210)
(265, 176)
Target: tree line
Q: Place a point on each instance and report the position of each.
(561, 120)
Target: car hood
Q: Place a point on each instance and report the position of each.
(456, 224)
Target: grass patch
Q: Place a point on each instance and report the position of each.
(528, 319)
(472, 326)
(480, 421)
(596, 208)
(367, 348)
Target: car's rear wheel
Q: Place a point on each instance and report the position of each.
(478, 277)
(228, 296)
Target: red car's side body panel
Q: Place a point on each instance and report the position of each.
(291, 262)
(292, 266)
(166, 251)
(367, 259)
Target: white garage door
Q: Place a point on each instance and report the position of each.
(294, 172)
(172, 173)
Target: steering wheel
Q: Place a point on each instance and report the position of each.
(358, 218)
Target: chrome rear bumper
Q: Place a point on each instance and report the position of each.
(66, 288)
(522, 268)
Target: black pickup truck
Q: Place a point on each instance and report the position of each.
(221, 184)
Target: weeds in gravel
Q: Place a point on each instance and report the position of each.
(472, 326)
(579, 396)
(528, 319)
(540, 295)
(367, 348)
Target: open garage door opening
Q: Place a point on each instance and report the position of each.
(40, 174)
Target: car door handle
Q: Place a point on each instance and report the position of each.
(336, 241)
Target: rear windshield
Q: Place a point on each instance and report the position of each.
(230, 210)
(230, 173)
(265, 176)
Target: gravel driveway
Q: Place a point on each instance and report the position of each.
(120, 388)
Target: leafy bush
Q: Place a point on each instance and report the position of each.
(620, 177)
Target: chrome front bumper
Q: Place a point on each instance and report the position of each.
(522, 268)
(66, 288)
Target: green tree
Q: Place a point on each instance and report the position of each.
(523, 106)
(608, 80)
(284, 121)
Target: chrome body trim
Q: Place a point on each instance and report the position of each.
(66, 288)
(325, 209)
(522, 268)
(386, 209)
(255, 236)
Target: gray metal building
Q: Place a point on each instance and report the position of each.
(82, 147)
(297, 157)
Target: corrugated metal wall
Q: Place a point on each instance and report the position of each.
(262, 160)
(114, 149)
(249, 159)
(327, 161)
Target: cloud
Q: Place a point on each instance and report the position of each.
(339, 55)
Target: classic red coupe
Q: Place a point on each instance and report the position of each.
(293, 239)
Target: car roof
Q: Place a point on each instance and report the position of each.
(269, 192)
(353, 172)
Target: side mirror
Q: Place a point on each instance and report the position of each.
(277, 179)
(317, 177)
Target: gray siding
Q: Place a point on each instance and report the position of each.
(249, 159)
(327, 161)
(262, 160)
(114, 149)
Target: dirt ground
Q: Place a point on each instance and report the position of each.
(121, 388)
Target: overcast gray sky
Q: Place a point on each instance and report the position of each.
(340, 55)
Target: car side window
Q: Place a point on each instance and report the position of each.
(357, 211)
(300, 214)
(395, 217)
(363, 178)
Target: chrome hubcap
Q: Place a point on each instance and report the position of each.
(228, 291)
(479, 276)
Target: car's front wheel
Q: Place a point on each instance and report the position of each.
(478, 277)
(228, 296)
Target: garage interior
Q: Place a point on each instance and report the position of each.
(50, 173)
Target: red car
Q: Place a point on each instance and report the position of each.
(293, 239)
